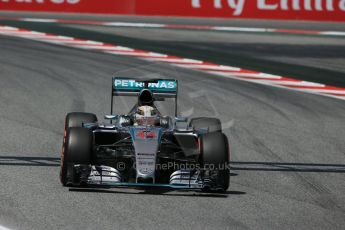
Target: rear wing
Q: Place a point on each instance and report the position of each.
(161, 88)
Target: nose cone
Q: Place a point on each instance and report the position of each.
(145, 97)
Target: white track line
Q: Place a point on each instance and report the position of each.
(103, 48)
(208, 67)
(38, 20)
(175, 60)
(333, 33)
(136, 53)
(253, 75)
(129, 24)
(242, 29)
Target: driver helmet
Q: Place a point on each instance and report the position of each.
(146, 115)
(146, 111)
(145, 98)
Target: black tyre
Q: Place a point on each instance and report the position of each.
(77, 119)
(212, 124)
(76, 149)
(215, 157)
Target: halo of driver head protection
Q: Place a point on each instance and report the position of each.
(145, 97)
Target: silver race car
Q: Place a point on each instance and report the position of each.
(145, 148)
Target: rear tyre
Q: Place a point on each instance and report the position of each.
(215, 158)
(76, 149)
(77, 119)
(211, 124)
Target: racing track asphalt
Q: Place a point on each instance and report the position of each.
(288, 148)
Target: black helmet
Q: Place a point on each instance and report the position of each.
(145, 97)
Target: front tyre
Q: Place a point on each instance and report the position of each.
(76, 149)
(215, 158)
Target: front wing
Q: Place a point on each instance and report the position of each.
(84, 175)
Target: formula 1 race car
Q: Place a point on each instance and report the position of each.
(144, 148)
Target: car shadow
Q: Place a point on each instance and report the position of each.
(158, 192)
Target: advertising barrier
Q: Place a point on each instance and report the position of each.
(318, 10)
(71, 6)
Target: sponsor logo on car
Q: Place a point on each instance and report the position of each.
(145, 134)
(130, 84)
